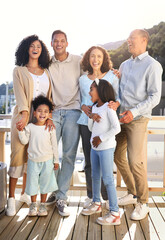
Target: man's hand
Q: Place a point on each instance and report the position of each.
(56, 166)
(127, 117)
(113, 105)
(49, 124)
(96, 141)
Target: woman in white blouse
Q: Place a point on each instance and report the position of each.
(96, 62)
(30, 79)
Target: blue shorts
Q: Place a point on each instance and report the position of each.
(40, 176)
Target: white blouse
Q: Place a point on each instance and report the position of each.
(41, 84)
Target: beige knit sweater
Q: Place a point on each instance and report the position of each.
(23, 90)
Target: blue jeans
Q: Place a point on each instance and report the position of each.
(102, 164)
(67, 129)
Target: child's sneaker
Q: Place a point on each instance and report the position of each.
(42, 210)
(33, 209)
(11, 209)
(87, 202)
(94, 207)
(25, 198)
(112, 218)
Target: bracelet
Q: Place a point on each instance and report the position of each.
(50, 119)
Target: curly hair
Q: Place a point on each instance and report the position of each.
(105, 90)
(106, 66)
(41, 100)
(22, 52)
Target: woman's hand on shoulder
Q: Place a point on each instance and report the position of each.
(113, 105)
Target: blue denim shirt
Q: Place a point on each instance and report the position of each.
(140, 85)
(85, 83)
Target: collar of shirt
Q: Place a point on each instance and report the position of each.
(68, 59)
(141, 56)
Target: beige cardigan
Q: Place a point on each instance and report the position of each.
(23, 90)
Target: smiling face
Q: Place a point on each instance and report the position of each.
(136, 43)
(59, 44)
(93, 93)
(96, 58)
(35, 50)
(42, 114)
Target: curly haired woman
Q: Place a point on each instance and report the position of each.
(30, 79)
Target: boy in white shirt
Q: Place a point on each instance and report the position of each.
(42, 155)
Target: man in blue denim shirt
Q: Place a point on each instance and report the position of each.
(140, 92)
(65, 72)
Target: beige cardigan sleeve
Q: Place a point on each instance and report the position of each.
(19, 91)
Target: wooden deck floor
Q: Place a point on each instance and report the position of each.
(79, 227)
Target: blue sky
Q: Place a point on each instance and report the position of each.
(86, 22)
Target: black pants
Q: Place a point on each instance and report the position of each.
(86, 135)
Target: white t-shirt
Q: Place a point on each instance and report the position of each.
(41, 84)
(106, 129)
(42, 143)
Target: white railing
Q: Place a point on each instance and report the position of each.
(158, 130)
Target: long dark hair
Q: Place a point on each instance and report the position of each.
(105, 90)
(22, 52)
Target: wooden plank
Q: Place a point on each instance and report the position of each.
(159, 202)
(134, 227)
(156, 219)
(94, 230)
(81, 226)
(34, 227)
(5, 220)
(15, 224)
(148, 229)
(65, 232)
(122, 231)
(54, 227)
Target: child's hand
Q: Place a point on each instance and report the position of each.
(56, 166)
(95, 117)
(96, 141)
(21, 124)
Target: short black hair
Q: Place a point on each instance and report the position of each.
(105, 91)
(59, 32)
(41, 100)
(22, 52)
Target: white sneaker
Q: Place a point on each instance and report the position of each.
(42, 210)
(87, 202)
(126, 200)
(95, 207)
(141, 210)
(111, 218)
(33, 209)
(62, 208)
(25, 198)
(11, 209)
(107, 204)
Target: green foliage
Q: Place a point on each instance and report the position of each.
(156, 47)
